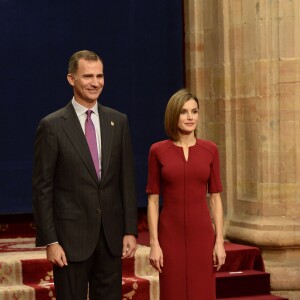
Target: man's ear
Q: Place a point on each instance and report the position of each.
(70, 79)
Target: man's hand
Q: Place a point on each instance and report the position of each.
(56, 255)
(129, 246)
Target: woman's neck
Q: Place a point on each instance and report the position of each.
(186, 140)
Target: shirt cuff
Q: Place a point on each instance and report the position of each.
(52, 243)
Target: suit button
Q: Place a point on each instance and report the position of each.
(98, 210)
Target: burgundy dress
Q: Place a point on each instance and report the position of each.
(186, 233)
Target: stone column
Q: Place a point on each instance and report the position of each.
(243, 61)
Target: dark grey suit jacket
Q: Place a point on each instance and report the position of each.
(70, 204)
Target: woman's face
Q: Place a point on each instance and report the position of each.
(188, 118)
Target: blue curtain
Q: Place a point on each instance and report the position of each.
(141, 44)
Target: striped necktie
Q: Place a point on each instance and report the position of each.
(90, 134)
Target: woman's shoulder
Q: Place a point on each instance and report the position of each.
(160, 145)
(207, 145)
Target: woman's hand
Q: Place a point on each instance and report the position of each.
(156, 257)
(219, 255)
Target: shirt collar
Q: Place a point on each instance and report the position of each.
(80, 109)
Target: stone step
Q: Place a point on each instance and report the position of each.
(11, 292)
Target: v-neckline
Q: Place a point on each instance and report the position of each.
(185, 157)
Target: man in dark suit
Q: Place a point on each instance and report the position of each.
(83, 189)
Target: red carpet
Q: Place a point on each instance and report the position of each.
(25, 274)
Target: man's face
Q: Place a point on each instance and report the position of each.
(87, 82)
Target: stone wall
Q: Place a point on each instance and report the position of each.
(243, 62)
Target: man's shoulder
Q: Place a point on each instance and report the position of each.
(111, 111)
(57, 115)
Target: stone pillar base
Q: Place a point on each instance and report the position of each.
(284, 267)
(278, 238)
(291, 295)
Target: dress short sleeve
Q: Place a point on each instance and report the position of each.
(153, 184)
(214, 182)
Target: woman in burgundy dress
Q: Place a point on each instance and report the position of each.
(186, 240)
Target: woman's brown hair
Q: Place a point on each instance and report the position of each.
(173, 111)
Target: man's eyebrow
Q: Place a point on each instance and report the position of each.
(88, 74)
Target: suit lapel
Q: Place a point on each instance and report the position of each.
(107, 135)
(76, 136)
